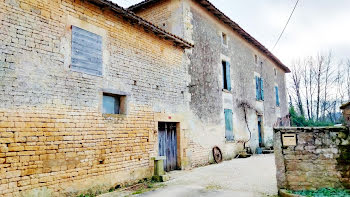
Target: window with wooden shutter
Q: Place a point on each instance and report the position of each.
(277, 96)
(114, 104)
(226, 75)
(111, 104)
(257, 91)
(259, 88)
(262, 89)
(86, 51)
(228, 125)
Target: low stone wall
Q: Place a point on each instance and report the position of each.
(320, 158)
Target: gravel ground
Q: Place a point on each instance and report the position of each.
(250, 177)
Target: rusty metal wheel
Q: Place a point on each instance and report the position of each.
(217, 154)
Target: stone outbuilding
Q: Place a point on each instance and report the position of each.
(346, 113)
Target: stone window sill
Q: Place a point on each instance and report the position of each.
(230, 141)
(227, 91)
(114, 116)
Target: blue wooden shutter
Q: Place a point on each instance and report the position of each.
(228, 76)
(257, 87)
(277, 96)
(223, 75)
(262, 88)
(228, 125)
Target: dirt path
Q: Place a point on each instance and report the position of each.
(251, 177)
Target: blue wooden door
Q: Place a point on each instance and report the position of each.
(167, 144)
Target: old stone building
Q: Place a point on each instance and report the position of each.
(83, 85)
(237, 86)
(90, 92)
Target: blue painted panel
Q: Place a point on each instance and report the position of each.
(262, 88)
(86, 51)
(257, 88)
(167, 144)
(110, 104)
(277, 97)
(228, 76)
(228, 125)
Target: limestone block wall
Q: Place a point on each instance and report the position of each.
(320, 158)
(53, 134)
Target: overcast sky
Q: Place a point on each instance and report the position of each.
(316, 26)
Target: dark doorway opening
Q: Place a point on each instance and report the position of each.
(261, 141)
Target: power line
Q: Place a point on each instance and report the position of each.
(290, 16)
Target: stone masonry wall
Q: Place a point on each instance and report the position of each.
(189, 20)
(52, 131)
(321, 158)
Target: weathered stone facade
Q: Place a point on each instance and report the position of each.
(320, 158)
(52, 131)
(193, 22)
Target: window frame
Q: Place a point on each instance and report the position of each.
(256, 59)
(224, 40)
(228, 116)
(98, 71)
(226, 73)
(278, 102)
(259, 88)
(122, 98)
(116, 103)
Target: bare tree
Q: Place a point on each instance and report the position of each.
(320, 59)
(296, 77)
(320, 85)
(328, 82)
(307, 75)
(339, 86)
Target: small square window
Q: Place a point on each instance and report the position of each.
(111, 104)
(224, 39)
(256, 59)
(114, 104)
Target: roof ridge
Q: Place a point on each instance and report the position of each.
(225, 19)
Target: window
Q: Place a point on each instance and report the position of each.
(86, 52)
(259, 87)
(111, 104)
(228, 125)
(224, 39)
(255, 59)
(277, 96)
(275, 71)
(114, 104)
(226, 75)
